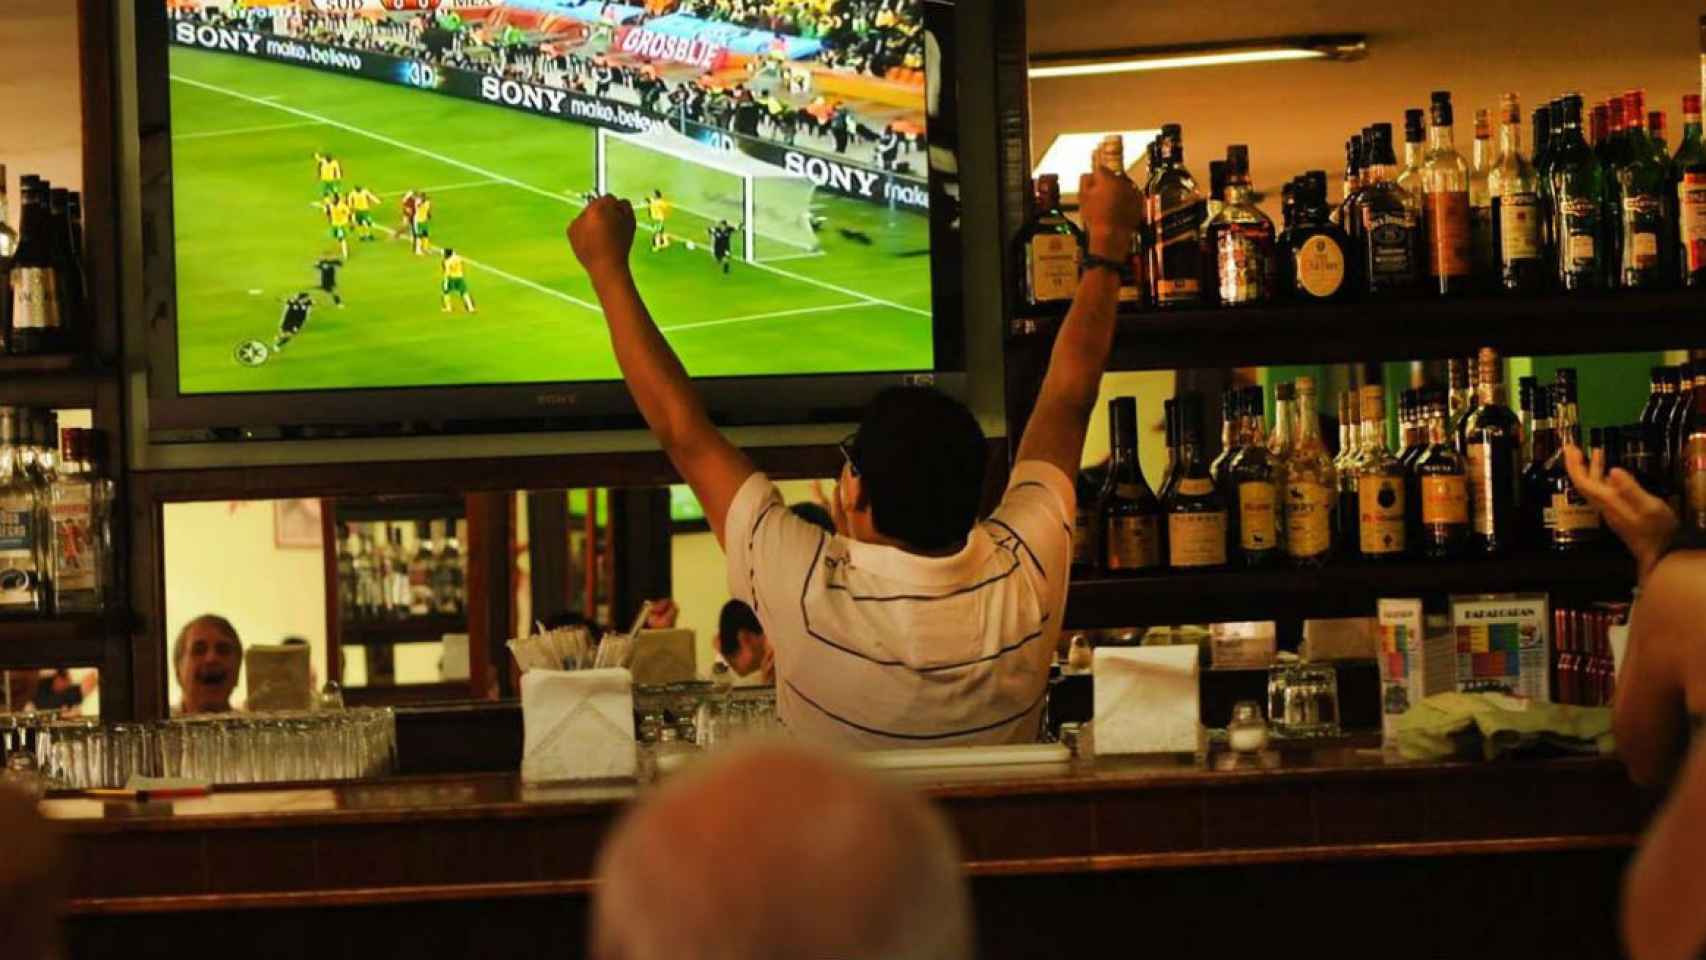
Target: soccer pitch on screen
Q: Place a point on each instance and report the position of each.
(504, 186)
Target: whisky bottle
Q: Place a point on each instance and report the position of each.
(1483, 252)
(1460, 399)
(1177, 213)
(1389, 226)
(1445, 204)
(1242, 239)
(80, 502)
(1347, 431)
(1410, 181)
(1643, 181)
(1196, 512)
(1575, 523)
(1442, 487)
(1232, 436)
(1516, 208)
(1412, 427)
(1656, 414)
(1491, 435)
(1110, 157)
(1348, 520)
(37, 317)
(1380, 486)
(1309, 487)
(1283, 440)
(1216, 200)
(1252, 479)
(1051, 250)
(21, 561)
(1579, 193)
(1318, 253)
(1536, 486)
(1131, 516)
(1689, 166)
(1676, 429)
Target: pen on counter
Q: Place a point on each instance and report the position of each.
(144, 796)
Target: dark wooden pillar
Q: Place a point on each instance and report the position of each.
(640, 542)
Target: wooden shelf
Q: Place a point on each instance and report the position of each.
(78, 641)
(406, 694)
(1340, 590)
(57, 380)
(1396, 330)
(363, 633)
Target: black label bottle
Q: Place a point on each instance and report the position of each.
(1177, 211)
(1051, 251)
(1196, 512)
(1442, 487)
(1579, 191)
(1318, 251)
(1131, 515)
(1491, 435)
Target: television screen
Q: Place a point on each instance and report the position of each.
(372, 194)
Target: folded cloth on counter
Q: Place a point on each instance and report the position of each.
(1491, 725)
(578, 725)
(1147, 700)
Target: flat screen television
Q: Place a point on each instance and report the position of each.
(354, 210)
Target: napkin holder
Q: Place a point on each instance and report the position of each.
(663, 657)
(578, 725)
(278, 677)
(1147, 701)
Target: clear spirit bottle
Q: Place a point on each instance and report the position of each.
(1310, 486)
(80, 505)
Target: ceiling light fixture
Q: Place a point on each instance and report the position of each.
(1342, 47)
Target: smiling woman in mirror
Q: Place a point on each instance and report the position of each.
(208, 657)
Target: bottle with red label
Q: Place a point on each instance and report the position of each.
(1241, 240)
(1693, 465)
(1643, 179)
(1690, 166)
(1445, 205)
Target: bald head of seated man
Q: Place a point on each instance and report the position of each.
(32, 880)
(842, 865)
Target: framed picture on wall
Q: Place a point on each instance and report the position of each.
(296, 524)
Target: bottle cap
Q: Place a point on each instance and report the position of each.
(1614, 107)
(1413, 132)
(1691, 103)
(1237, 161)
(1491, 370)
(1305, 384)
(1483, 124)
(1634, 106)
(1284, 392)
(1440, 110)
(1658, 123)
(1217, 177)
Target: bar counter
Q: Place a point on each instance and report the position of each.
(1529, 853)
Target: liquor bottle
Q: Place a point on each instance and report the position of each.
(1692, 465)
(1484, 255)
(37, 321)
(1380, 485)
(1658, 134)
(1347, 215)
(1490, 437)
(1441, 485)
(1216, 199)
(1543, 189)
(70, 271)
(1242, 239)
(1656, 415)
(1309, 487)
(1598, 133)
(8, 236)
(1231, 436)
(1614, 148)
(449, 575)
(1347, 411)
(1170, 414)
(1252, 478)
(1575, 523)
(1689, 165)
(397, 589)
(1390, 237)
(1461, 398)
(1516, 208)
(1318, 253)
(1641, 459)
(80, 504)
(1086, 520)
(1536, 486)
(1406, 426)
(1445, 204)
(1283, 440)
(1643, 181)
(21, 561)
(1196, 512)
(1410, 178)
(1579, 198)
(346, 575)
(1676, 426)
(1131, 516)
(1348, 516)
(1353, 168)
(1177, 214)
(1051, 250)
(1110, 157)
(420, 572)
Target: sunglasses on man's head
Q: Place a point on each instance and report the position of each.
(848, 444)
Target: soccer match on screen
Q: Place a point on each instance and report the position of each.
(374, 193)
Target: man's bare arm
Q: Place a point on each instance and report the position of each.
(1664, 895)
(1057, 427)
(711, 465)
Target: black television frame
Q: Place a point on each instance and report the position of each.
(174, 418)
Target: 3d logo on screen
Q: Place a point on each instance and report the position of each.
(413, 73)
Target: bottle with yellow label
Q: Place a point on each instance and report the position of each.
(1252, 484)
(1441, 487)
(1320, 263)
(1310, 485)
(1196, 513)
(1131, 516)
(1572, 521)
(1380, 485)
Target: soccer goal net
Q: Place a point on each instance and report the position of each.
(704, 185)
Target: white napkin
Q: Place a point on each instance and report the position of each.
(1147, 700)
(579, 725)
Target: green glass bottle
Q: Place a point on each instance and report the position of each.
(1644, 218)
(1579, 190)
(1691, 195)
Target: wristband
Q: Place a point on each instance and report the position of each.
(1093, 262)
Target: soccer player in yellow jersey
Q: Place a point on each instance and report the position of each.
(659, 210)
(338, 213)
(422, 224)
(363, 201)
(331, 174)
(455, 281)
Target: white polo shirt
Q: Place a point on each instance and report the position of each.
(877, 648)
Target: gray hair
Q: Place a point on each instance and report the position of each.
(778, 852)
(214, 620)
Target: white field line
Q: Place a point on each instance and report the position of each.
(235, 131)
(452, 186)
(530, 188)
(792, 256)
(767, 316)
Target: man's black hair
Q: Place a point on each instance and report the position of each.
(736, 616)
(814, 514)
(920, 456)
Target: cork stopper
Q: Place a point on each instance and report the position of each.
(1373, 397)
(1510, 109)
(1305, 384)
(1483, 124)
